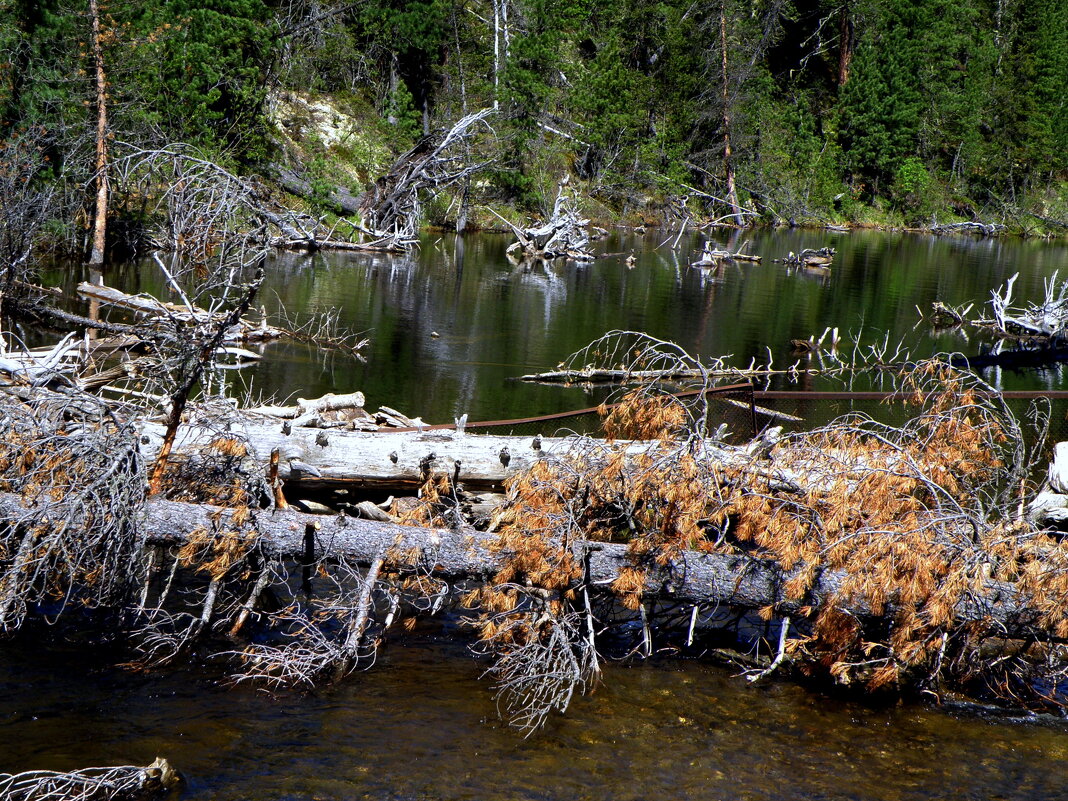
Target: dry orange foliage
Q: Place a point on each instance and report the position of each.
(913, 520)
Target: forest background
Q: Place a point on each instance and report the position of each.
(886, 112)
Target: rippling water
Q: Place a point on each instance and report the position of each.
(420, 724)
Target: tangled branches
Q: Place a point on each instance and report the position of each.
(79, 474)
(90, 784)
(392, 209)
(542, 658)
(917, 520)
(629, 357)
(893, 543)
(25, 205)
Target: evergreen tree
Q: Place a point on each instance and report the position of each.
(881, 104)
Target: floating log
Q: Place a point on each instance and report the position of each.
(821, 257)
(710, 256)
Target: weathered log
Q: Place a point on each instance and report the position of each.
(820, 257)
(983, 229)
(743, 581)
(307, 408)
(1050, 506)
(393, 461)
(711, 257)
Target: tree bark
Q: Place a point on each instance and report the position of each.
(96, 255)
(845, 45)
(740, 581)
(728, 164)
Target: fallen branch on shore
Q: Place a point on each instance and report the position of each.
(982, 229)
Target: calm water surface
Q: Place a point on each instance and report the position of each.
(420, 724)
(495, 321)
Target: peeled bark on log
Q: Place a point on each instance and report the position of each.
(100, 209)
(393, 461)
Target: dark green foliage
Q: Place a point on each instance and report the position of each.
(947, 101)
(882, 102)
(208, 84)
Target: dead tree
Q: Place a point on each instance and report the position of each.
(392, 209)
(100, 209)
(982, 229)
(564, 235)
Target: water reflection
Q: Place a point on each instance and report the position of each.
(496, 320)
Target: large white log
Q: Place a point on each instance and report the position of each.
(1058, 469)
(392, 459)
(386, 459)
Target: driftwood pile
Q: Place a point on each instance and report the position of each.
(982, 229)
(565, 235)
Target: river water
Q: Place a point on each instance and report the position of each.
(421, 724)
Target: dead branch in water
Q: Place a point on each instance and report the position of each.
(564, 235)
(123, 783)
(633, 357)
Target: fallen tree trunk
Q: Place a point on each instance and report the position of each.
(710, 257)
(385, 460)
(741, 581)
